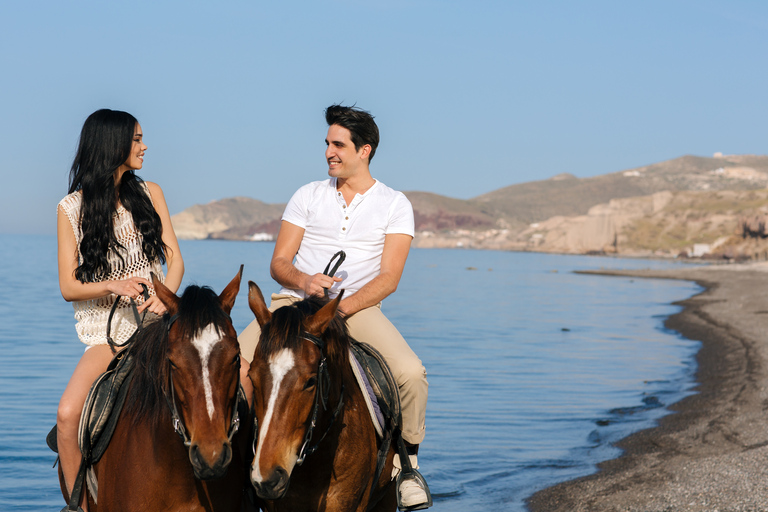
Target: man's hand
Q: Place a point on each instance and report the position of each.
(316, 284)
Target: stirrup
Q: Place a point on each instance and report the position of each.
(413, 474)
(408, 472)
(67, 509)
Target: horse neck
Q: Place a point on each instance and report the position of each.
(340, 372)
(151, 440)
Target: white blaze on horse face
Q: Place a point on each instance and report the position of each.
(279, 365)
(204, 344)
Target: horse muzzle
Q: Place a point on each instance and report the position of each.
(204, 468)
(274, 487)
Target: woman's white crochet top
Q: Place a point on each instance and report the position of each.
(92, 315)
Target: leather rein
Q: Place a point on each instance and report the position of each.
(323, 379)
(321, 397)
(323, 385)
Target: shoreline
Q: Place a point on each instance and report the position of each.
(711, 453)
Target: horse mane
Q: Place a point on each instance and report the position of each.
(287, 323)
(199, 307)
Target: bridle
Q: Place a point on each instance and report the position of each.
(323, 379)
(178, 423)
(321, 397)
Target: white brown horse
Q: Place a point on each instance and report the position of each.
(172, 448)
(315, 445)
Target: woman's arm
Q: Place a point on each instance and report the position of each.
(173, 258)
(74, 290)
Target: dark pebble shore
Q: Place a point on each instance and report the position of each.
(711, 454)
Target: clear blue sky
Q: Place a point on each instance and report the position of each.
(469, 96)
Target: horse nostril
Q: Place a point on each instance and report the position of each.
(280, 480)
(194, 453)
(273, 487)
(226, 455)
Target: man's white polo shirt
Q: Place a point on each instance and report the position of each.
(330, 225)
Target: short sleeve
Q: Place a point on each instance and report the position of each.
(297, 209)
(401, 217)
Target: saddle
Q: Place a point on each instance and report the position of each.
(103, 405)
(378, 386)
(97, 421)
(383, 400)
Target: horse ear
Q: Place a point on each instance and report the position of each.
(169, 299)
(228, 296)
(319, 322)
(257, 304)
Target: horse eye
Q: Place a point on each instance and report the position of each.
(310, 383)
(236, 360)
(173, 366)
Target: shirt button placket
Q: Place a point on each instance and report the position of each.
(345, 222)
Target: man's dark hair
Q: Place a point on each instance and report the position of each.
(359, 123)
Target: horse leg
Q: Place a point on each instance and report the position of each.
(388, 502)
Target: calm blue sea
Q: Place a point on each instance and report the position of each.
(534, 371)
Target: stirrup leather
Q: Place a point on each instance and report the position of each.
(407, 473)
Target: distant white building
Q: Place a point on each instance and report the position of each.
(700, 250)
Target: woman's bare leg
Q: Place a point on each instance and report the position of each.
(92, 364)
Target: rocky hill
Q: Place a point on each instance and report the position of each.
(236, 218)
(689, 205)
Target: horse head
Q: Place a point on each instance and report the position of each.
(203, 361)
(291, 384)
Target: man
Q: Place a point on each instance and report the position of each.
(374, 226)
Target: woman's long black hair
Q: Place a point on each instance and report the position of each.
(105, 144)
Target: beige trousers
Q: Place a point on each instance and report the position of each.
(371, 326)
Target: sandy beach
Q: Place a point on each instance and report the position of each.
(711, 454)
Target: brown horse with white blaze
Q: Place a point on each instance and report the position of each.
(315, 444)
(176, 445)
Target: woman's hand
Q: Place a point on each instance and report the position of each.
(154, 305)
(130, 287)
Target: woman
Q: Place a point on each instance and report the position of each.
(113, 230)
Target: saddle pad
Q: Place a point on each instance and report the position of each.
(381, 382)
(368, 395)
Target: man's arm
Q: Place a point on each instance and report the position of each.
(396, 247)
(283, 270)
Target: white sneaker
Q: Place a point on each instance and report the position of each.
(411, 494)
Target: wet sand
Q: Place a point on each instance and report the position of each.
(711, 454)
